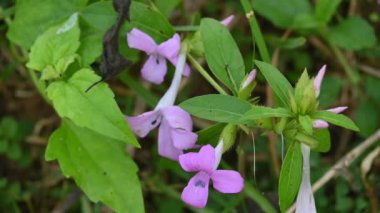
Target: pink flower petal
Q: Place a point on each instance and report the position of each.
(165, 143)
(171, 47)
(177, 118)
(227, 181)
(183, 139)
(320, 124)
(139, 40)
(227, 21)
(337, 110)
(142, 124)
(204, 160)
(154, 69)
(189, 162)
(318, 80)
(196, 192)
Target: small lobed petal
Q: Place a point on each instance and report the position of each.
(227, 181)
(165, 143)
(142, 124)
(170, 48)
(154, 69)
(196, 192)
(137, 39)
(320, 124)
(183, 139)
(318, 80)
(189, 162)
(204, 160)
(177, 118)
(337, 110)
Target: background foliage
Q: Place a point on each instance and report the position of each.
(299, 33)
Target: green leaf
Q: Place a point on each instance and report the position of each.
(277, 82)
(210, 135)
(96, 109)
(156, 25)
(221, 108)
(58, 42)
(259, 112)
(289, 43)
(353, 33)
(290, 176)
(336, 119)
(90, 48)
(222, 53)
(372, 86)
(99, 165)
(367, 117)
(324, 140)
(325, 9)
(34, 17)
(99, 15)
(282, 13)
(167, 6)
(306, 123)
(330, 90)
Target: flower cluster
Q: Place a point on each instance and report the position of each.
(305, 199)
(175, 132)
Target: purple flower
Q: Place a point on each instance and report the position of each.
(317, 87)
(154, 69)
(175, 131)
(205, 163)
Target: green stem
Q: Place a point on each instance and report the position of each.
(256, 196)
(205, 75)
(352, 75)
(257, 36)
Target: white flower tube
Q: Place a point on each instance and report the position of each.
(169, 97)
(305, 199)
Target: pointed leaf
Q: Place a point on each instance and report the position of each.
(277, 82)
(32, 18)
(96, 109)
(354, 33)
(99, 165)
(290, 176)
(259, 112)
(222, 54)
(221, 108)
(325, 9)
(157, 25)
(61, 41)
(336, 119)
(323, 137)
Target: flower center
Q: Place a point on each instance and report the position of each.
(200, 183)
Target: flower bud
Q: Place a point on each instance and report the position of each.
(228, 136)
(247, 85)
